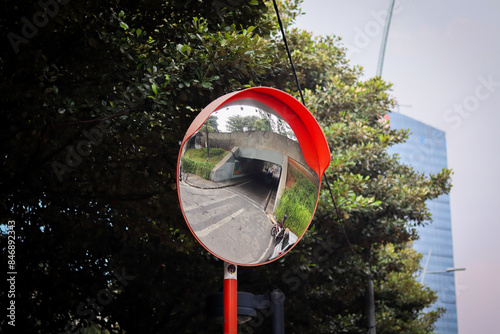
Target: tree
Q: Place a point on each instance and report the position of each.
(94, 105)
(371, 202)
(97, 95)
(401, 298)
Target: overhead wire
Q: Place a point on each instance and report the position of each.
(288, 52)
(303, 102)
(371, 329)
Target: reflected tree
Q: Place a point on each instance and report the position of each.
(239, 123)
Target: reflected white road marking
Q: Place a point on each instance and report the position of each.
(211, 228)
(200, 205)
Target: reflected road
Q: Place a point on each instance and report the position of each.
(231, 221)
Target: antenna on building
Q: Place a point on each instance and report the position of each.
(384, 39)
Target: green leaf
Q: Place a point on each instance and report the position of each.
(124, 25)
(138, 32)
(185, 49)
(155, 88)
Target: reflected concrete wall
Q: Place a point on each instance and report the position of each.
(251, 158)
(224, 169)
(255, 139)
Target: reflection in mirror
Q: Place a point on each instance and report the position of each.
(246, 191)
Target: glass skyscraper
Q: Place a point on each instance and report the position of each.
(425, 151)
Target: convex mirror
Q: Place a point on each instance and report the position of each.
(249, 174)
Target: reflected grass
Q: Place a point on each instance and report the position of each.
(297, 201)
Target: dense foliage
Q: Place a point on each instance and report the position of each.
(96, 96)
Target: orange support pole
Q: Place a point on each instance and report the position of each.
(230, 299)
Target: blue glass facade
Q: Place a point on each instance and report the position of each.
(425, 151)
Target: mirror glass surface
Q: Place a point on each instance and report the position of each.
(245, 189)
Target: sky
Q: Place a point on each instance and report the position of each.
(443, 58)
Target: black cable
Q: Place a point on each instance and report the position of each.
(303, 102)
(288, 51)
(370, 329)
(338, 216)
(331, 194)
